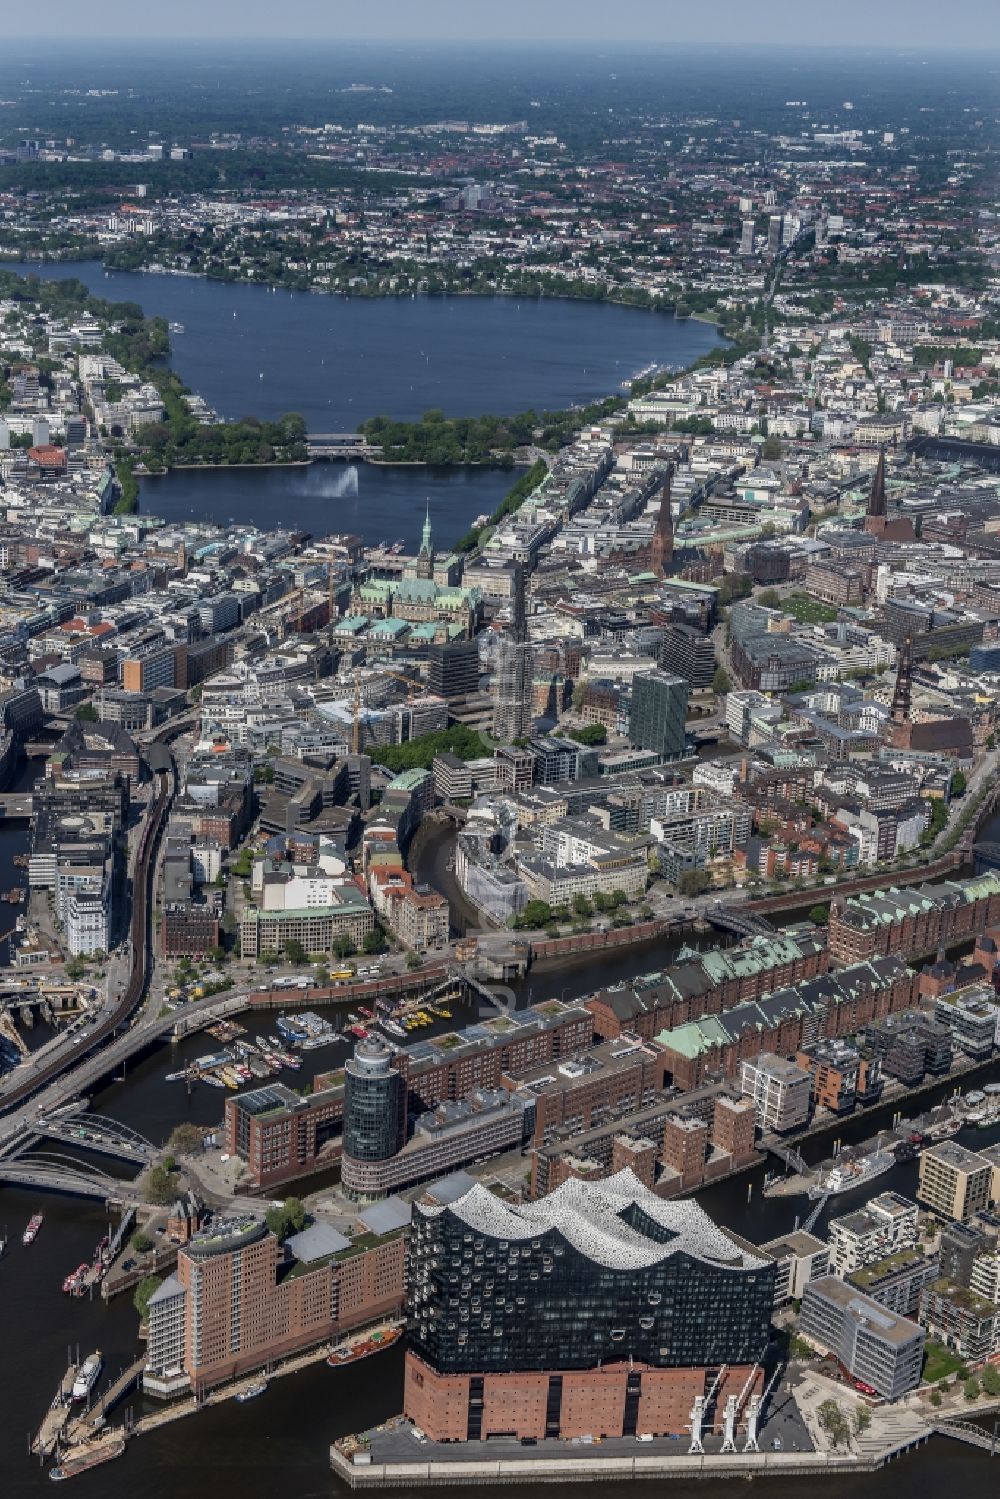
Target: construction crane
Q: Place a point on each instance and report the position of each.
(754, 1410)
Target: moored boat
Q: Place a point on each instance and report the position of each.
(31, 1232)
(251, 1392)
(87, 1375)
(350, 1353)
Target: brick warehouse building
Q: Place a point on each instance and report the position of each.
(281, 1136)
(235, 1303)
(834, 1004)
(706, 983)
(914, 921)
(599, 1309)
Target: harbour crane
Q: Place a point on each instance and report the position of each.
(754, 1411)
(732, 1413)
(701, 1405)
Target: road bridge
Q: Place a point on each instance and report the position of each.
(740, 923)
(93, 1132)
(16, 804)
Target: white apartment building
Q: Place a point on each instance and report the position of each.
(880, 1228)
(780, 1090)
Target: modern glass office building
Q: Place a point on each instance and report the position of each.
(659, 709)
(374, 1104)
(594, 1273)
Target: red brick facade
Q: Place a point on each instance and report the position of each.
(592, 1403)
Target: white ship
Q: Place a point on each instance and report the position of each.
(851, 1174)
(88, 1375)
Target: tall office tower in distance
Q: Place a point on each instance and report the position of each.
(774, 234)
(746, 237)
(659, 709)
(374, 1112)
(598, 1310)
(514, 672)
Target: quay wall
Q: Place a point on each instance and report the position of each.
(593, 1467)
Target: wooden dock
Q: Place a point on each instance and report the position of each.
(91, 1422)
(56, 1417)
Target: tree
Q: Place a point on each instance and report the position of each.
(721, 683)
(862, 1419)
(769, 599)
(990, 1380)
(290, 1217)
(819, 914)
(185, 1139)
(958, 783)
(582, 906)
(971, 1388)
(295, 952)
(694, 882)
(160, 1187)
(375, 941)
(144, 1292)
(87, 713)
(343, 947)
(536, 913)
(834, 1422)
(413, 960)
(141, 1243)
(771, 449)
(592, 733)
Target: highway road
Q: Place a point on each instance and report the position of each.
(56, 1062)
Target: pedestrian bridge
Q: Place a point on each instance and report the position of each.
(64, 1174)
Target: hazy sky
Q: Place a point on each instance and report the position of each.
(893, 23)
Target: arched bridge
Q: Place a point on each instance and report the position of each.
(57, 1173)
(93, 1132)
(740, 923)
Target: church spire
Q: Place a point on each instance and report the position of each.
(876, 501)
(904, 683)
(425, 540)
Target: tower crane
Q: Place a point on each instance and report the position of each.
(356, 704)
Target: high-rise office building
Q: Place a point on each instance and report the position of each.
(599, 1308)
(746, 237)
(514, 672)
(453, 669)
(374, 1103)
(659, 709)
(774, 233)
(688, 654)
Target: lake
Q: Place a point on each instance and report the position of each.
(250, 351)
(378, 503)
(253, 352)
